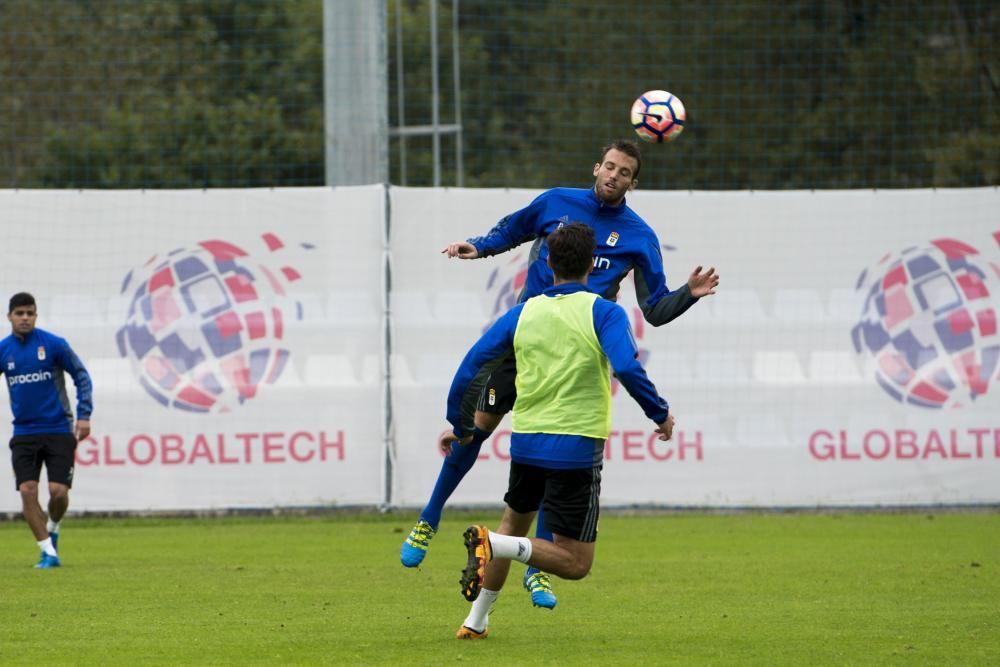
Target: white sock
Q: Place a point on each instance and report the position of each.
(479, 615)
(52, 526)
(511, 548)
(46, 546)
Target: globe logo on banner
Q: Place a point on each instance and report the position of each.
(929, 324)
(205, 325)
(505, 285)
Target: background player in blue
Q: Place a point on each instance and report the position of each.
(624, 243)
(565, 341)
(34, 362)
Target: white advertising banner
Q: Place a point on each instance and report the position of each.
(234, 338)
(236, 341)
(850, 358)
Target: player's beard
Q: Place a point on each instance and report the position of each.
(609, 194)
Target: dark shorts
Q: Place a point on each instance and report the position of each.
(570, 498)
(499, 394)
(56, 450)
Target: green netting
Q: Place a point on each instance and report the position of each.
(229, 93)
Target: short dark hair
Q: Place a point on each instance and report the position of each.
(20, 299)
(628, 147)
(571, 250)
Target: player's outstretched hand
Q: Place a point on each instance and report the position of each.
(461, 249)
(703, 284)
(666, 429)
(448, 439)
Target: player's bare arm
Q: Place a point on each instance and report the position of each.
(461, 249)
(703, 284)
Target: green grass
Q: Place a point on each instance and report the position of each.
(684, 589)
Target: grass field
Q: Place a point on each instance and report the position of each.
(684, 589)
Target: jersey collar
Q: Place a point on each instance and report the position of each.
(565, 288)
(605, 209)
(25, 338)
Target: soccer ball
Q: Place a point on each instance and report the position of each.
(658, 116)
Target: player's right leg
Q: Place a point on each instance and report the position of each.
(453, 470)
(461, 459)
(566, 557)
(26, 457)
(32, 510)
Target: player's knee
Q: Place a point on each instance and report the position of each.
(58, 492)
(578, 570)
(28, 490)
(580, 567)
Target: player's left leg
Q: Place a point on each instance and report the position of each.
(60, 452)
(58, 504)
(497, 400)
(483, 577)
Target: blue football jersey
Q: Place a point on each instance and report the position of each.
(35, 367)
(624, 243)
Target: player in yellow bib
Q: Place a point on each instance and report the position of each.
(566, 342)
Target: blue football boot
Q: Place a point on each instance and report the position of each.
(540, 586)
(415, 547)
(47, 561)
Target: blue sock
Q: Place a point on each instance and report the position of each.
(453, 469)
(542, 533)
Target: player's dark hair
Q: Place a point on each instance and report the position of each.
(571, 250)
(20, 299)
(630, 148)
